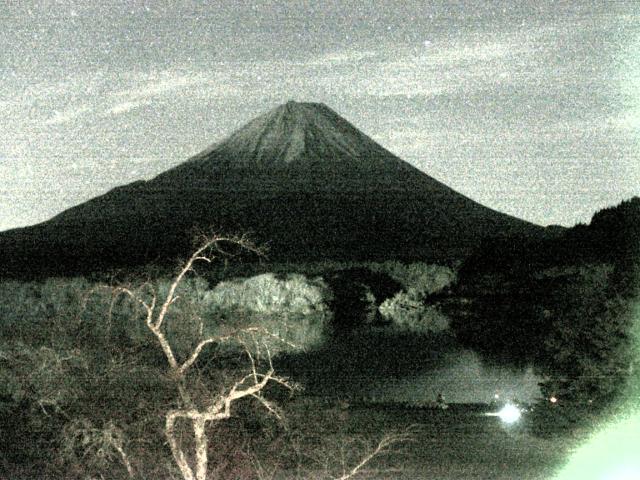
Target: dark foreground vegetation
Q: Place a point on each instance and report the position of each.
(153, 378)
(568, 306)
(155, 375)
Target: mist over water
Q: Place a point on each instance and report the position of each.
(463, 378)
(380, 366)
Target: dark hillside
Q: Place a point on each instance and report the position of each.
(612, 237)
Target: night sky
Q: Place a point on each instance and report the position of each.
(532, 109)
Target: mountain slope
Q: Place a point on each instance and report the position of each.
(299, 177)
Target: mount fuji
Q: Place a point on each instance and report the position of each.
(299, 178)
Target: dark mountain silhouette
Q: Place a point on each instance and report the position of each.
(612, 236)
(300, 178)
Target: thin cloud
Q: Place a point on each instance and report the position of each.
(177, 86)
(162, 86)
(66, 116)
(442, 70)
(470, 53)
(125, 107)
(342, 57)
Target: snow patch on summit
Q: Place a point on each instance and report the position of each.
(298, 134)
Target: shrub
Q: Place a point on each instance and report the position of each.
(407, 313)
(94, 448)
(42, 376)
(41, 312)
(39, 387)
(422, 278)
(293, 308)
(266, 293)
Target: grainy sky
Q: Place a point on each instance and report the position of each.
(532, 108)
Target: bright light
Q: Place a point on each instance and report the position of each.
(612, 453)
(509, 413)
(553, 399)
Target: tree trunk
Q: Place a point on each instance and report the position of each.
(199, 425)
(178, 454)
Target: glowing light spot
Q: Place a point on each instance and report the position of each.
(510, 413)
(553, 399)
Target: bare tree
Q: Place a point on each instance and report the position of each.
(217, 407)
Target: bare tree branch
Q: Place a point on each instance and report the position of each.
(270, 406)
(382, 448)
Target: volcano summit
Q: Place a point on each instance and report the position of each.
(300, 178)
